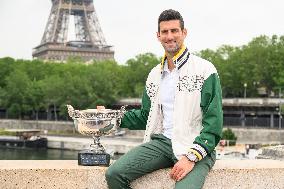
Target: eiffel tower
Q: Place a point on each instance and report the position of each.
(89, 42)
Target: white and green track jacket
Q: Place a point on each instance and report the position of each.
(197, 116)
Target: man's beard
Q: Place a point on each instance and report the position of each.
(172, 50)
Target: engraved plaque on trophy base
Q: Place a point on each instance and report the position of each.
(91, 158)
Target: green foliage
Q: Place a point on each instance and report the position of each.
(7, 133)
(75, 60)
(27, 87)
(259, 64)
(282, 109)
(228, 134)
(136, 73)
(6, 65)
(16, 92)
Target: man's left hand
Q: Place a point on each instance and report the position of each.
(181, 168)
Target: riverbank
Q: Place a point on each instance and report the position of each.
(246, 135)
(118, 145)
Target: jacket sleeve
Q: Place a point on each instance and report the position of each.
(137, 119)
(212, 117)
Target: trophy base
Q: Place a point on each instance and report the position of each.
(91, 158)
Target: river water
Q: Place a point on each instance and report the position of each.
(37, 154)
(41, 154)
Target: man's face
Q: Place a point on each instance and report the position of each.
(171, 36)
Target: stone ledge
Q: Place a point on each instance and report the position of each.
(231, 174)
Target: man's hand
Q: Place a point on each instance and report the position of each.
(181, 168)
(100, 108)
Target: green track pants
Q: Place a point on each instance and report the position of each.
(151, 156)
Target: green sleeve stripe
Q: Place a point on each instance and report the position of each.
(137, 119)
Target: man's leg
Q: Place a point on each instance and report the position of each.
(196, 178)
(139, 161)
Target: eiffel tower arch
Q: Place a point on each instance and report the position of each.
(89, 40)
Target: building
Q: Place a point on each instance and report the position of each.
(89, 43)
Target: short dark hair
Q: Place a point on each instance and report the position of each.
(168, 15)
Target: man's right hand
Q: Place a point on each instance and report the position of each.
(100, 108)
(181, 168)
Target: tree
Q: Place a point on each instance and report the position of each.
(105, 82)
(34, 97)
(15, 93)
(52, 88)
(229, 135)
(6, 65)
(258, 64)
(136, 72)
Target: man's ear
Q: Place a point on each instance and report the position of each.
(184, 32)
(158, 36)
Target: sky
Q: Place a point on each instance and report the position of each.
(130, 26)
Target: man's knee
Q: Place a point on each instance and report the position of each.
(111, 173)
(115, 177)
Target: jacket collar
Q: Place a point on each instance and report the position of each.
(179, 59)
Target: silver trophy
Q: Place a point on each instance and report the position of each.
(96, 123)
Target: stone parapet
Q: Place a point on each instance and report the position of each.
(233, 174)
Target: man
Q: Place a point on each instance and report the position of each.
(181, 112)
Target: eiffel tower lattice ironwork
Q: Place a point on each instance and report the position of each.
(89, 43)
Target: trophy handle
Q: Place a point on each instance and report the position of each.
(120, 115)
(74, 114)
(71, 111)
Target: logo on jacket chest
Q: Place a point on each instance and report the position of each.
(151, 89)
(190, 83)
(185, 83)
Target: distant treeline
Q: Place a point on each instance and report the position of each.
(257, 66)
(27, 87)
(30, 86)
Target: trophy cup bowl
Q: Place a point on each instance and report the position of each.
(95, 123)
